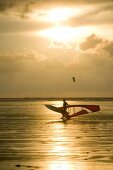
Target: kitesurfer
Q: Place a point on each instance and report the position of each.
(73, 79)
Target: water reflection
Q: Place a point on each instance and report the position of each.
(75, 145)
(63, 148)
(60, 165)
(68, 165)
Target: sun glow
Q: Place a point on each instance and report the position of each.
(60, 33)
(55, 15)
(60, 165)
(58, 22)
(58, 14)
(59, 28)
(63, 33)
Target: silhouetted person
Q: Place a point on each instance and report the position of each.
(65, 113)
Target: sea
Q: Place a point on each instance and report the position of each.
(33, 137)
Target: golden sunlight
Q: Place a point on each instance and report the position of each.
(58, 30)
(60, 165)
(67, 165)
(63, 33)
(55, 15)
(58, 14)
(59, 33)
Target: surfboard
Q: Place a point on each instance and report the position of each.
(53, 108)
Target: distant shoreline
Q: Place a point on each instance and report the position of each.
(57, 98)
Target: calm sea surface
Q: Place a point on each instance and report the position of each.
(33, 137)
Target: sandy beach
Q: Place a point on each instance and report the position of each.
(33, 137)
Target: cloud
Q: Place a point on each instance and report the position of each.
(98, 45)
(29, 73)
(98, 57)
(91, 42)
(108, 47)
(14, 25)
(23, 7)
(60, 45)
(18, 60)
(95, 52)
(93, 14)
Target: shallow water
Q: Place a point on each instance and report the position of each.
(33, 137)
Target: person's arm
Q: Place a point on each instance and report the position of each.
(67, 104)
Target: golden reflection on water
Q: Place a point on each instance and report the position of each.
(63, 149)
(60, 165)
(68, 165)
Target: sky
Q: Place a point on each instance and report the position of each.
(44, 43)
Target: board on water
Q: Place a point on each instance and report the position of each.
(53, 108)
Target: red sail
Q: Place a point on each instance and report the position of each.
(93, 108)
(81, 112)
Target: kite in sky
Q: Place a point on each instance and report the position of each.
(73, 79)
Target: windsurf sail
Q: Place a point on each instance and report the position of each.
(85, 109)
(81, 112)
(93, 108)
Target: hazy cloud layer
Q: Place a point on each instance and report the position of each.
(93, 13)
(28, 73)
(14, 25)
(22, 7)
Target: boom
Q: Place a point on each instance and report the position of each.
(93, 108)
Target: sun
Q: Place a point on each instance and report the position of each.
(63, 33)
(60, 33)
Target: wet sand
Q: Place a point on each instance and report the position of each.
(32, 137)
